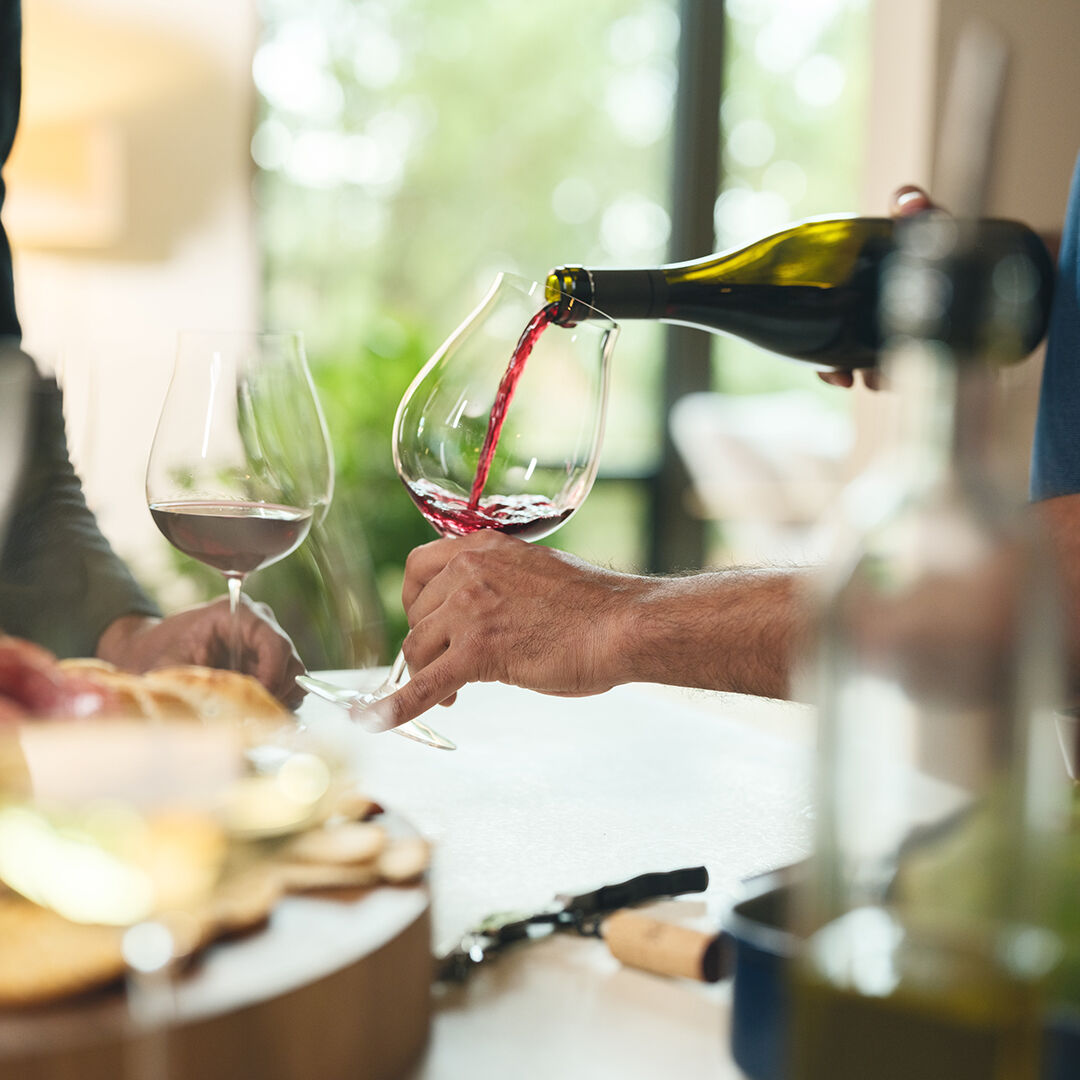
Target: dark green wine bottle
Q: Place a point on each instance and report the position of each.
(809, 292)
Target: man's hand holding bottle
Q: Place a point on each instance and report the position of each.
(490, 607)
(906, 202)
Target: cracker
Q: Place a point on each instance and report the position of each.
(44, 957)
(355, 806)
(245, 900)
(404, 860)
(339, 845)
(312, 877)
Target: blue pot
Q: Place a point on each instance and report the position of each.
(758, 949)
(1061, 1046)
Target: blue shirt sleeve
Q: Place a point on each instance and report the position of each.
(1055, 462)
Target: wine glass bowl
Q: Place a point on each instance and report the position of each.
(501, 429)
(241, 464)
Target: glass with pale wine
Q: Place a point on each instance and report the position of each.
(241, 463)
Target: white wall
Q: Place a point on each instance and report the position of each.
(1039, 137)
(185, 255)
(1038, 141)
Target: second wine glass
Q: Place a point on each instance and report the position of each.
(241, 463)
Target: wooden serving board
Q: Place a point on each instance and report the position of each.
(334, 987)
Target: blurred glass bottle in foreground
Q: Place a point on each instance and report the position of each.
(940, 786)
(809, 292)
(1061, 1046)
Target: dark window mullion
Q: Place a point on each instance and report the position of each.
(677, 538)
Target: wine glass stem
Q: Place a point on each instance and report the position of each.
(395, 678)
(236, 583)
(148, 1053)
(151, 986)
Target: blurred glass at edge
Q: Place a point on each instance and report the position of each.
(934, 899)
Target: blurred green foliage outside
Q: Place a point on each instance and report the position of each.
(407, 150)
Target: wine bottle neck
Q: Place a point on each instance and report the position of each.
(619, 294)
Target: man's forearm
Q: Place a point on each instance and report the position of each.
(736, 630)
(488, 607)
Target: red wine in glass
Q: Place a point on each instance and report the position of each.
(527, 516)
(233, 537)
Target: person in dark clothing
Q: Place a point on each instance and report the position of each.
(61, 584)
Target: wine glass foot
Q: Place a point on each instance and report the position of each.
(416, 730)
(356, 702)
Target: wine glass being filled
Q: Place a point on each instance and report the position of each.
(240, 465)
(502, 427)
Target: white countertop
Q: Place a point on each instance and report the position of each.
(553, 795)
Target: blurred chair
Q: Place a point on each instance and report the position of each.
(766, 468)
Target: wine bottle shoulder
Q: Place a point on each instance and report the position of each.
(810, 291)
(820, 252)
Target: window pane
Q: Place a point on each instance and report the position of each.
(791, 119)
(407, 151)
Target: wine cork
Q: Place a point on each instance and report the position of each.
(661, 947)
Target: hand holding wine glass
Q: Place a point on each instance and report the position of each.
(501, 430)
(241, 463)
(203, 635)
(906, 201)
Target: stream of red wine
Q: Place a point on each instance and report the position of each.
(507, 386)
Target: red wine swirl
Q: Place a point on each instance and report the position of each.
(527, 516)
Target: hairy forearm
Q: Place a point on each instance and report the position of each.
(736, 630)
(492, 608)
